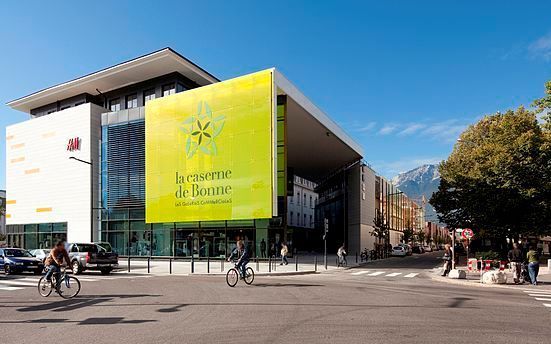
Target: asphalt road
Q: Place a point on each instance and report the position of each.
(385, 302)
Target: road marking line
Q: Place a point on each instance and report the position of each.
(394, 274)
(542, 299)
(377, 273)
(360, 273)
(547, 304)
(14, 282)
(539, 295)
(10, 288)
(413, 274)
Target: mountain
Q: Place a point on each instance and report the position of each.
(419, 182)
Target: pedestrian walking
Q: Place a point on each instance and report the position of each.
(284, 251)
(263, 248)
(515, 259)
(341, 253)
(533, 264)
(447, 260)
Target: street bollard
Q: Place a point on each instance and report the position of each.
(270, 264)
(257, 266)
(170, 266)
(222, 265)
(356, 257)
(148, 264)
(192, 264)
(316, 263)
(128, 263)
(296, 262)
(208, 265)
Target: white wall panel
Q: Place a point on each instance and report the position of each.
(43, 184)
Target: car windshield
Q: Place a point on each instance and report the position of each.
(87, 248)
(17, 253)
(106, 246)
(398, 248)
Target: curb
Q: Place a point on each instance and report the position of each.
(478, 284)
(283, 273)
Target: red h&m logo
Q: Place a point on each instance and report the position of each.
(73, 144)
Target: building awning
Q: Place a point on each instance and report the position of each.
(145, 67)
(317, 146)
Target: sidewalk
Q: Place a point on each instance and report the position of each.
(473, 280)
(300, 264)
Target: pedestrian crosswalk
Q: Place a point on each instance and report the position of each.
(18, 283)
(543, 296)
(374, 273)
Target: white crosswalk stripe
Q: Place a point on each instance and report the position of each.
(540, 295)
(16, 282)
(394, 274)
(9, 288)
(372, 273)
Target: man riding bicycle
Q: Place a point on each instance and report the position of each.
(241, 253)
(55, 260)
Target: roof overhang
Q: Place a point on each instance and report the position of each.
(142, 68)
(316, 144)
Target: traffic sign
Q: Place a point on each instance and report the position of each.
(467, 233)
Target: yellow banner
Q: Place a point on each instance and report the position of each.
(208, 152)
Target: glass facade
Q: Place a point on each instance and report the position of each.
(33, 236)
(123, 208)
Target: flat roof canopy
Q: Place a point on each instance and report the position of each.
(316, 145)
(142, 68)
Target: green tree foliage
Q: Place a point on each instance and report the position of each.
(380, 228)
(420, 235)
(498, 176)
(407, 235)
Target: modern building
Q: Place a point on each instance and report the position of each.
(160, 157)
(3, 212)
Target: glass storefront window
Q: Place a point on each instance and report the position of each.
(119, 242)
(137, 214)
(140, 239)
(162, 239)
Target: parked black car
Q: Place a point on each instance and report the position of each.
(18, 260)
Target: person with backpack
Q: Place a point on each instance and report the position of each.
(515, 259)
(284, 251)
(447, 260)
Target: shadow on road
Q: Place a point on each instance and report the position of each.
(89, 321)
(79, 302)
(298, 285)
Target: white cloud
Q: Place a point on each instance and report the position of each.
(541, 47)
(411, 128)
(388, 129)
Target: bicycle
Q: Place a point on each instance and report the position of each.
(66, 286)
(233, 274)
(364, 255)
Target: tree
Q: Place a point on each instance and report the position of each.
(498, 177)
(420, 236)
(407, 235)
(543, 106)
(380, 228)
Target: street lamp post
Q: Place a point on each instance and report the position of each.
(91, 164)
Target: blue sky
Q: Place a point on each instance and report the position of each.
(404, 78)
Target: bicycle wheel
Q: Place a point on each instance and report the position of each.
(69, 287)
(249, 276)
(232, 276)
(45, 287)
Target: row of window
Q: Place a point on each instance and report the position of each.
(313, 202)
(298, 222)
(131, 100)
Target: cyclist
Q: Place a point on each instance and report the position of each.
(341, 253)
(241, 253)
(55, 260)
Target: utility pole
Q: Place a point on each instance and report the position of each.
(326, 230)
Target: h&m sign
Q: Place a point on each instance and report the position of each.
(73, 144)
